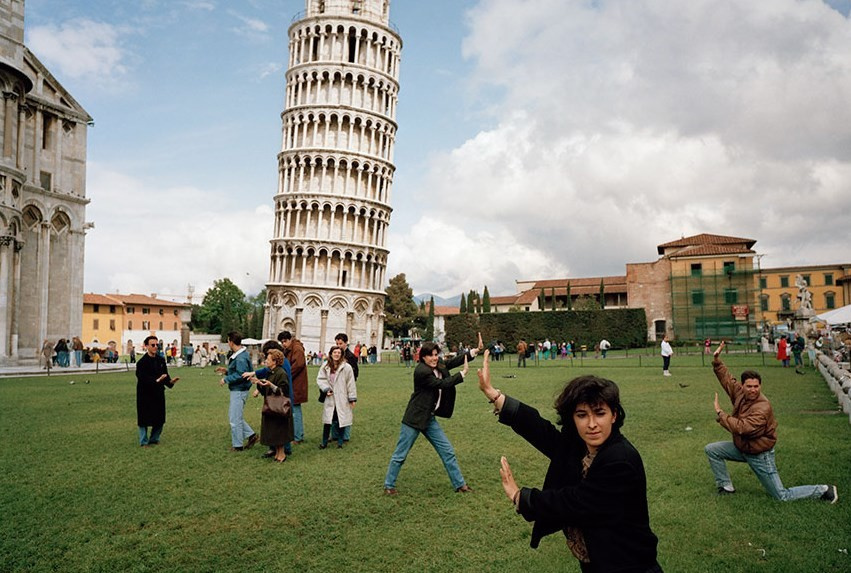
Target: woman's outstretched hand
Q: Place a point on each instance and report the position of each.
(508, 483)
(485, 375)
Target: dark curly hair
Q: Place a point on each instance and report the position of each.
(591, 390)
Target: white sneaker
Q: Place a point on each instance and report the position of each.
(666, 373)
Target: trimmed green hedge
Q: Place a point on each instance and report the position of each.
(623, 327)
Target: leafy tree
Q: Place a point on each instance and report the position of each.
(223, 309)
(429, 329)
(400, 309)
(586, 302)
(462, 308)
(472, 301)
(486, 300)
(257, 308)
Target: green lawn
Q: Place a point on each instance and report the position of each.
(78, 494)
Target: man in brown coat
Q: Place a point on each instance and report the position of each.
(754, 432)
(522, 347)
(294, 350)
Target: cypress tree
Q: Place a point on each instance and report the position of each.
(486, 301)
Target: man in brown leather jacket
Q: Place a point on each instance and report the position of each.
(754, 432)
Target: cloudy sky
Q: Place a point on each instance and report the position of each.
(537, 138)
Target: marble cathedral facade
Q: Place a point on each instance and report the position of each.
(335, 173)
(42, 199)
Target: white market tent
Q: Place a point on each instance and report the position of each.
(834, 317)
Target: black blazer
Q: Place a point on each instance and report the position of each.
(427, 387)
(609, 505)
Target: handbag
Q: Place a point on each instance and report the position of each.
(322, 395)
(277, 405)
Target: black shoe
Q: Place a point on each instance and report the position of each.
(237, 449)
(725, 491)
(831, 495)
(323, 446)
(464, 489)
(339, 446)
(269, 454)
(252, 439)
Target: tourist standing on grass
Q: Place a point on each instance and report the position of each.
(595, 490)
(754, 432)
(434, 395)
(336, 381)
(666, 352)
(238, 386)
(276, 432)
(151, 381)
(522, 349)
(783, 351)
(342, 342)
(294, 351)
(263, 373)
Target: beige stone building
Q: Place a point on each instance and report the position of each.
(335, 172)
(702, 286)
(121, 318)
(42, 199)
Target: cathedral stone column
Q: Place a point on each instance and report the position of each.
(323, 330)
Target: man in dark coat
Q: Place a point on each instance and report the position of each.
(294, 351)
(151, 381)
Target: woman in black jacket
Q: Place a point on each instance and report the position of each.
(595, 490)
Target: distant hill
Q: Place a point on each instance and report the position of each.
(438, 301)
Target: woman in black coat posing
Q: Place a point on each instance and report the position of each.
(595, 490)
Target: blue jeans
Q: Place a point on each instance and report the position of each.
(298, 423)
(762, 465)
(155, 435)
(438, 440)
(239, 428)
(78, 357)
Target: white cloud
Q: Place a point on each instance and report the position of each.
(250, 27)
(200, 5)
(80, 49)
(446, 260)
(151, 239)
(620, 125)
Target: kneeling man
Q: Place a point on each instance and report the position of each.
(754, 431)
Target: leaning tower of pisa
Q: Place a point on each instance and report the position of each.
(335, 174)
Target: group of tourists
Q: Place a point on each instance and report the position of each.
(59, 354)
(595, 489)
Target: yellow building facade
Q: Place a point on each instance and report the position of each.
(131, 317)
(778, 293)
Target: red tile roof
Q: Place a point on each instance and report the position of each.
(445, 310)
(92, 298)
(706, 239)
(706, 250)
(136, 299)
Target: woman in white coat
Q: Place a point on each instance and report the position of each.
(336, 382)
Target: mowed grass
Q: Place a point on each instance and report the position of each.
(78, 494)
